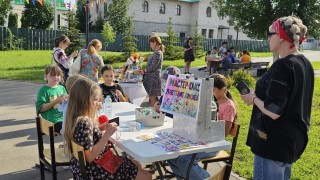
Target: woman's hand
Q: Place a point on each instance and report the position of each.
(74, 54)
(248, 98)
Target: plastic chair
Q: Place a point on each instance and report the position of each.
(51, 157)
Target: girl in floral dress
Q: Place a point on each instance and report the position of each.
(82, 128)
(91, 61)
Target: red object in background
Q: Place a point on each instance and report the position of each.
(103, 119)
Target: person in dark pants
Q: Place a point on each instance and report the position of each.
(188, 55)
(282, 100)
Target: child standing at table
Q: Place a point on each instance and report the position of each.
(245, 58)
(82, 128)
(50, 95)
(109, 87)
(227, 112)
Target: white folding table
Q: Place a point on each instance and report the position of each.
(144, 151)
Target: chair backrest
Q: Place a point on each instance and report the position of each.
(78, 151)
(234, 132)
(45, 125)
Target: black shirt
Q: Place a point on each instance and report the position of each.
(111, 91)
(287, 90)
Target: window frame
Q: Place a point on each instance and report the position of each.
(209, 13)
(145, 6)
(162, 9)
(178, 10)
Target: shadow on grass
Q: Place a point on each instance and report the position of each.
(24, 68)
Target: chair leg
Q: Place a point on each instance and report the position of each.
(205, 166)
(227, 172)
(54, 172)
(42, 170)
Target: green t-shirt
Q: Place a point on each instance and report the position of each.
(46, 95)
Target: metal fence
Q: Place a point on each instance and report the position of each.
(35, 39)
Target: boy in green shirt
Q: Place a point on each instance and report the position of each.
(50, 95)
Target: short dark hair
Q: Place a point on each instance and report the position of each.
(224, 43)
(215, 48)
(106, 68)
(226, 53)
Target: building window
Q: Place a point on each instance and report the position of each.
(208, 12)
(210, 33)
(182, 35)
(204, 32)
(162, 8)
(145, 6)
(178, 8)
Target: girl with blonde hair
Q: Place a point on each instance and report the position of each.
(282, 100)
(91, 61)
(82, 128)
(151, 78)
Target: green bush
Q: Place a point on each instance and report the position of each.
(11, 42)
(173, 52)
(242, 75)
(109, 59)
(13, 20)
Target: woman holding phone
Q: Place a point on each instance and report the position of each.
(188, 55)
(278, 132)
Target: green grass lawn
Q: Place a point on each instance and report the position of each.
(29, 66)
(316, 65)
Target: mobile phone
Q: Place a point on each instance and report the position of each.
(243, 88)
(115, 120)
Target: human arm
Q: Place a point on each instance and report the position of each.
(63, 59)
(92, 152)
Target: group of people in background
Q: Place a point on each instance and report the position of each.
(279, 125)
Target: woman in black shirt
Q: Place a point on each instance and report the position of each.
(278, 132)
(188, 55)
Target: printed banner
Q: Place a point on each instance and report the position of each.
(181, 97)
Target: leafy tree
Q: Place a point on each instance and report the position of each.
(254, 17)
(129, 41)
(5, 7)
(108, 34)
(98, 26)
(13, 20)
(197, 41)
(117, 15)
(72, 32)
(172, 51)
(37, 16)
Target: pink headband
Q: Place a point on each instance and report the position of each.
(283, 35)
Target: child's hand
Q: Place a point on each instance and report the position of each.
(60, 99)
(118, 93)
(156, 106)
(74, 54)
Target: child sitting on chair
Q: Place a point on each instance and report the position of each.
(50, 95)
(109, 87)
(227, 112)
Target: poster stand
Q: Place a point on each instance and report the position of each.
(189, 98)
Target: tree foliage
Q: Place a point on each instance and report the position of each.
(5, 7)
(254, 17)
(98, 26)
(81, 16)
(72, 32)
(172, 51)
(129, 41)
(37, 16)
(198, 40)
(118, 15)
(108, 34)
(12, 20)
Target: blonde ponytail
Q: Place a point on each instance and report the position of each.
(92, 46)
(157, 40)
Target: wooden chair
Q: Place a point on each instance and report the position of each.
(52, 157)
(219, 175)
(78, 153)
(223, 155)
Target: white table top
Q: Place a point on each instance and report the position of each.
(144, 151)
(135, 92)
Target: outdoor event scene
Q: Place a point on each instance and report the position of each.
(159, 89)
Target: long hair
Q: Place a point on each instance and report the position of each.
(91, 46)
(221, 82)
(60, 39)
(80, 105)
(71, 80)
(188, 40)
(157, 40)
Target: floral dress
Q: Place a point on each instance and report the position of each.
(87, 135)
(90, 65)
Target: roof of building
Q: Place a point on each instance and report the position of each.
(60, 3)
(191, 1)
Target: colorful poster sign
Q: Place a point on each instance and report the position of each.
(181, 97)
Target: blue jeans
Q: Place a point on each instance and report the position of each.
(265, 169)
(180, 165)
